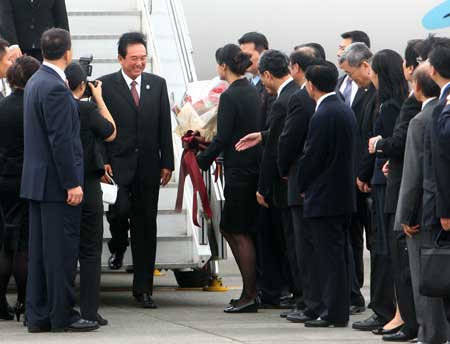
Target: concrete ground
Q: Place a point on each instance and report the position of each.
(192, 317)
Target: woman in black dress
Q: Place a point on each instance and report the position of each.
(13, 210)
(96, 125)
(238, 115)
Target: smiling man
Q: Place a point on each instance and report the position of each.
(139, 160)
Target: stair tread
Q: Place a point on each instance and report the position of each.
(89, 13)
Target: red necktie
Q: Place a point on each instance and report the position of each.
(135, 93)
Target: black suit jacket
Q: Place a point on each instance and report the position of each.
(440, 146)
(393, 149)
(271, 185)
(53, 154)
(143, 145)
(23, 21)
(292, 140)
(327, 169)
(266, 101)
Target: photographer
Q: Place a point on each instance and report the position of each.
(97, 124)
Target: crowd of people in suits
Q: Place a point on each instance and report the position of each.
(336, 163)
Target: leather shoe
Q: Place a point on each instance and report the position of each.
(299, 317)
(357, 309)
(101, 321)
(250, 307)
(115, 262)
(290, 311)
(372, 323)
(39, 329)
(146, 301)
(382, 331)
(324, 323)
(399, 336)
(82, 325)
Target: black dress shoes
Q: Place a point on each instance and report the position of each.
(39, 329)
(299, 317)
(290, 311)
(324, 323)
(146, 301)
(101, 321)
(357, 309)
(82, 325)
(381, 331)
(399, 336)
(115, 262)
(250, 307)
(372, 323)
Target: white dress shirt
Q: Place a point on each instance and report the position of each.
(321, 99)
(138, 80)
(354, 89)
(58, 70)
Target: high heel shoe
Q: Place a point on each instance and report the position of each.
(5, 314)
(250, 307)
(19, 310)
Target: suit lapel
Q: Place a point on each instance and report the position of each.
(124, 90)
(359, 96)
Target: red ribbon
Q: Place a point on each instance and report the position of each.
(192, 142)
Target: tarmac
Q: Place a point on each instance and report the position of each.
(186, 317)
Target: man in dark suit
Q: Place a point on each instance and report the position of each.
(140, 159)
(24, 21)
(326, 178)
(272, 282)
(5, 63)
(52, 181)
(290, 147)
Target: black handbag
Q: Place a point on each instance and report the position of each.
(434, 278)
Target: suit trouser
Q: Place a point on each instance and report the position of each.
(271, 280)
(382, 296)
(142, 223)
(53, 253)
(304, 249)
(330, 238)
(91, 243)
(402, 276)
(430, 311)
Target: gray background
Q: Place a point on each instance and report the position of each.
(286, 23)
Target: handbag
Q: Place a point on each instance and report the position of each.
(434, 280)
(109, 191)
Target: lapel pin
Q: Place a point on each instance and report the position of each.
(147, 87)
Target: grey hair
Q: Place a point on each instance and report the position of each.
(355, 54)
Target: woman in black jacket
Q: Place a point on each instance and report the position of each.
(238, 114)
(96, 125)
(13, 210)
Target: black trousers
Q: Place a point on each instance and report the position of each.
(271, 277)
(90, 258)
(141, 220)
(304, 249)
(402, 276)
(53, 253)
(382, 295)
(330, 238)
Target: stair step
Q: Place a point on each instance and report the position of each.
(102, 5)
(104, 22)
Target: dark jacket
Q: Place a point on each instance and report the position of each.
(301, 107)
(53, 159)
(327, 169)
(143, 145)
(393, 149)
(238, 115)
(266, 101)
(23, 21)
(271, 184)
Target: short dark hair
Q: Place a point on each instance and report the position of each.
(274, 62)
(75, 75)
(258, 39)
(21, 71)
(233, 57)
(324, 76)
(55, 43)
(357, 36)
(412, 52)
(439, 58)
(429, 88)
(430, 43)
(318, 49)
(303, 60)
(130, 38)
(3, 47)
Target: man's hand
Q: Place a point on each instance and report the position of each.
(363, 186)
(410, 231)
(385, 169)
(96, 91)
(261, 200)
(74, 196)
(248, 141)
(372, 143)
(166, 174)
(445, 223)
(108, 173)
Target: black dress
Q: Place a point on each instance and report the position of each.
(13, 210)
(238, 115)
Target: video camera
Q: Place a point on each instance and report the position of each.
(85, 63)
